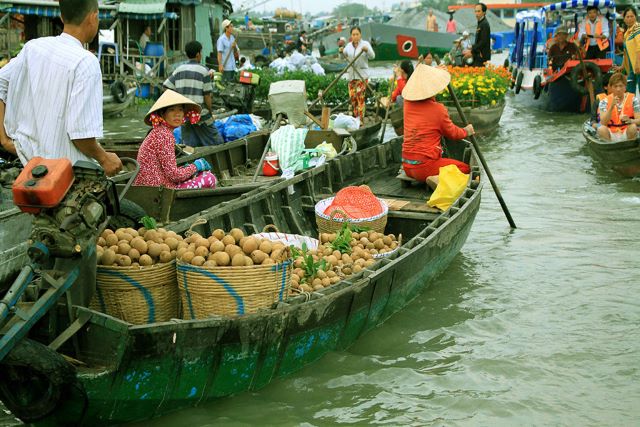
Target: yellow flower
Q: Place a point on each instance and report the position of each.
(493, 102)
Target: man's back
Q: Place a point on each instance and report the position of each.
(193, 81)
(39, 86)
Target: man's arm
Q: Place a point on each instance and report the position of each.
(207, 102)
(110, 162)
(483, 39)
(5, 76)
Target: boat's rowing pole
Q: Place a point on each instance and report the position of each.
(344, 70)
(505, 209)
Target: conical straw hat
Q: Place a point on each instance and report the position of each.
(425, 82)
(169, 98)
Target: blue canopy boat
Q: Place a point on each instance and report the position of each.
(564, 89)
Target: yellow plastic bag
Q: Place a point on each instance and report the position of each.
(451, 184)
(327, 149)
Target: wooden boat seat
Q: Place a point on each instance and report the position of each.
(399, 205)
(431, 181)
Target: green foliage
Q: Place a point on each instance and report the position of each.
(148, 222)
(314, 84)
(309, 265)
(342, 242)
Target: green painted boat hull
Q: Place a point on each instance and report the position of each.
(623, 157)
(134, 373)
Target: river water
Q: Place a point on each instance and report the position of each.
(536, 326)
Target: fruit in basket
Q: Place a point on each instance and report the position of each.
(197, 261)
(258, 256)
(249, 245)
(266, 246)
(145, 260)
(237, 234)
(238, 260)
(228, 240)
(222, 258)
(108, 257)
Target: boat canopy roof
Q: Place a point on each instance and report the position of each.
(530, 16)
(579, 4)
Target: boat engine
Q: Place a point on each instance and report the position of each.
(71, 207)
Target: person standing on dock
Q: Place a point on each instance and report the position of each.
(481, 49)
(227, 51)
(193, 81)
(594, 34)
(358, 73)
(432, 24)
(144, 38)
(51, 94)
(451, 25)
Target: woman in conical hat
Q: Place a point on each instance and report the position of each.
(157, 156)
(426, 121)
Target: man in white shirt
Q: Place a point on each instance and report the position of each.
(51, 94)
(594, 34)
(227, 49)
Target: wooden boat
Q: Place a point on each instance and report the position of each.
(392, 42)
(485, 119)
(112, 107)
(132, 373)
(233, 163)
(623, 157)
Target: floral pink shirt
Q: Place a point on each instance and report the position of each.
(157, 160)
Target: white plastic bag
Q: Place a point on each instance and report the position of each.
(343, 121)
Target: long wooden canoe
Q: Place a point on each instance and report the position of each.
(484, 119)
(131, 373)
(623, 157)
(233, 164)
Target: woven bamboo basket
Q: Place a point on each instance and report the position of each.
(333, 223)
(231, 291)
(137, 295)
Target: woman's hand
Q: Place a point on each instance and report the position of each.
(341, 50)
(469, 129)
(202, 165)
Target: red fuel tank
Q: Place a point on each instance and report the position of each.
(42, 184)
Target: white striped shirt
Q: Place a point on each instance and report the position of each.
(53, 95)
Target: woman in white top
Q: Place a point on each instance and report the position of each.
(358, 74)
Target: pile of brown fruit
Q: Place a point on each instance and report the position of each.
(339, 256)
(230, 249)
(130, 247)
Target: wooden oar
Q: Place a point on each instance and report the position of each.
(481, 157)
(386, 113)
(592, 96)
(274, 128)
(334, 81)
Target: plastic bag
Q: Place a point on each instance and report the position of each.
(235, 127)
(342, 121)
(288, 142)
(327, 149)
(451, 184)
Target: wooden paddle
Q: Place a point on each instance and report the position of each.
(386, 113)
(274, 128)
(313, 103)
(482, 160)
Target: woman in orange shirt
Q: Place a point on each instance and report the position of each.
(426, 121)
(403, 72)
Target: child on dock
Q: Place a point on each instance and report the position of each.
(157, 158)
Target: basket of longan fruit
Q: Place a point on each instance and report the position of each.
(136, 275)
(230, 274)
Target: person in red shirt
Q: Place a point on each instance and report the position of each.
(426, 121)
(403, 72)
(157, 156)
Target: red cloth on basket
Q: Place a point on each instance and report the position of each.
(356, 202)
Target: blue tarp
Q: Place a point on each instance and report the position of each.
(579, 4)
(235, 127)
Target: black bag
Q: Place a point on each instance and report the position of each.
(239, 96)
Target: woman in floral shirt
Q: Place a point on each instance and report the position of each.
(156, 156)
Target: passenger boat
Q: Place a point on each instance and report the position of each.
(485, 119)
(392, 42)
(126, 373)
(233, 163)
(564, 90)
(623, 157)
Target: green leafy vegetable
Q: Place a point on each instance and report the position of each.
(342, 241)
(309, 265)
(148, 222)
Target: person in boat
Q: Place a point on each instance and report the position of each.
(618, 112)
(194, 81)
(358, 73)
(595, 108)
(426, 121)
(65, 117)
(403, 73)
(227, 52)
(157, 156)
(481, 49)
(631, 45)
(451, 25)
(562, 50)
(302, 41)
(144, 38)
(432, 23)
(594, 34)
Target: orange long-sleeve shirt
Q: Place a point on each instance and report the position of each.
(425, 122)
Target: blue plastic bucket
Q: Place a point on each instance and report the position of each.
(144, 91)
(154, 49)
